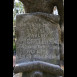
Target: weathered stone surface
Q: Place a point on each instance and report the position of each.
(45, 6)
(37, 39)
(39, 65)
(38, 69)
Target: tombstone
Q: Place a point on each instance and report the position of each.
(37, 45)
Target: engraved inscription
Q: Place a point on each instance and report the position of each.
(37, 40)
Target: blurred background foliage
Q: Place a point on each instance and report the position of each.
(18, 9)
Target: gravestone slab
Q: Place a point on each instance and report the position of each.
(37, 39)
